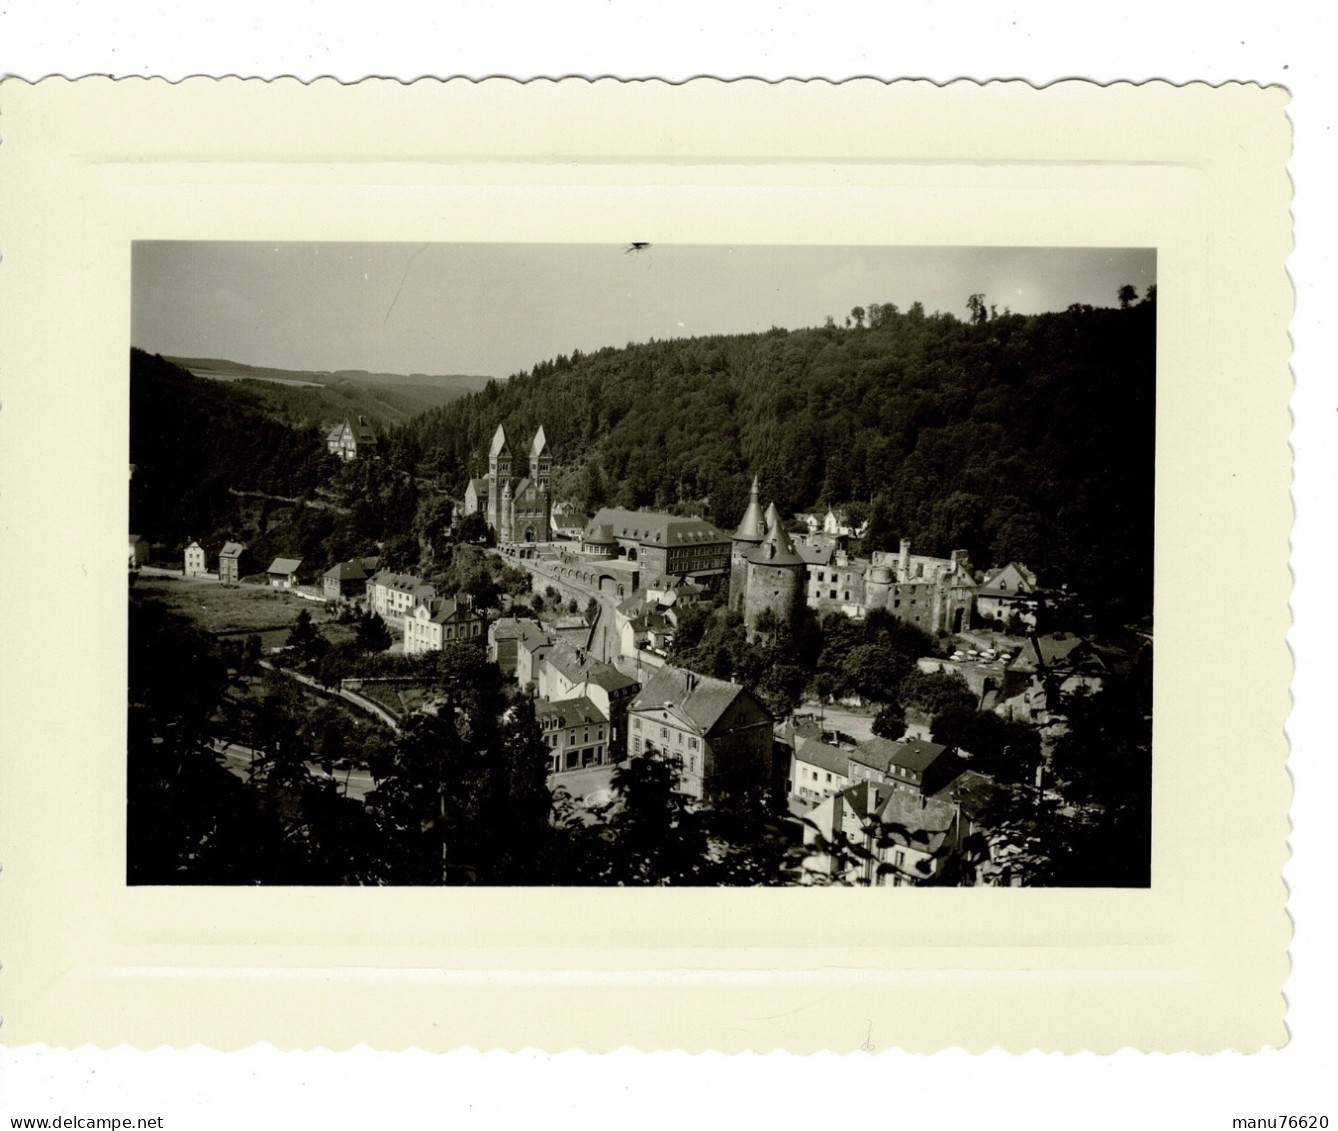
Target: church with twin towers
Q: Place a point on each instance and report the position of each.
(516, 506)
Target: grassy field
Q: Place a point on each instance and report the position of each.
(216, 608)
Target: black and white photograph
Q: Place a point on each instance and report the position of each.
(640, 564)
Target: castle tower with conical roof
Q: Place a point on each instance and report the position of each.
(775, 578)
(746, 539)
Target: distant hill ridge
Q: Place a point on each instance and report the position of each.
(222, 367)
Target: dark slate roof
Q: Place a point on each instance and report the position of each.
(918, 755)
(347, 571)
(610, 678)
(776, 549)
(533, 637)
(698, 698)
(885, 755)
(231, 550)
(651, 528)
(600, 534)
(570, 712)
(480, 486)
(820, 554)
(285, 565)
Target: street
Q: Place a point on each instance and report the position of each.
(237, 760)
(857, 724)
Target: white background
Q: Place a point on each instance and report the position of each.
(1287, 42)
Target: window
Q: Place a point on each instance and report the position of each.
(692, 744)
(678, 735)
(664, 732)
(636, 724)
(636, 745)
(899, 859)
(829, 777)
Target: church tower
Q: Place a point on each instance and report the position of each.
(541, 463)
(746, 539)
(499, 473)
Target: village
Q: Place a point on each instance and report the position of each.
(871, 789)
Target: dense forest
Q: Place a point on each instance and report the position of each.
(1028, 438)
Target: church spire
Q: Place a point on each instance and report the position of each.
(753, 527)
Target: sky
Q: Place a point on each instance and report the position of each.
(497, 309)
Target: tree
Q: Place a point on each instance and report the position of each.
(857, 313)
(473, 530)
(371, 633)
(432, 523)
(979, 313)
(1127, 296)
(936, 692)
(890, 721)
(400, 553)
(658, 836)
(306, 644)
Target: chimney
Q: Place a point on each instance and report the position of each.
(692, 680)
(904, 561)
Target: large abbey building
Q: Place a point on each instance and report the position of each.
(770, 570)
(515, 509)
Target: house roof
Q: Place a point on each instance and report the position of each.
(569, 712)
(533, 637)
(820, 554)
(904, 818)
(1021, 578)
(509, 628)
(600, 534)
(773, 516)
(499, 444)
(753, 527)
(285, 566)
(699, 699)
(448, 609)
(540, 444)
(347, 571)
(884, 755)
(232, 550)
(610, 678)
(480, 487)
(575, 664)
(1049, 651)
(651, 528)
(819, 754)
(360, 430)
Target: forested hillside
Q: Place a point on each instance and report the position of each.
(191, 440)
(1013, 437)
